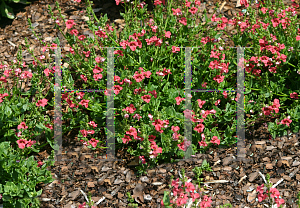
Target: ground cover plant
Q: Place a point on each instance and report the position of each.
(149, 82)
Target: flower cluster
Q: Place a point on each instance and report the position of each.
(181, 194)
(274, 194)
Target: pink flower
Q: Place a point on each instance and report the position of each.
(294, 95)
(97, 76)
(49, 126)
(260, 189)
(53, 46)
(193, 10)
(92, 123)
(175, 128)
(126, 139)
(83, 77)
(138, 77)
(204, 84)
(83, 205)
(215, 140)
(129, 109)
(19, 134)
(99, 59)
(178, 100)
(261, 197)
(146, 98)
(182, 146)
(74, 32)
(274, 193)
(94, 142)
(90, 131)
(219, 78)
(286, 121)
(176, 12)
(199, 128)
(137, 116)
(182, 199)
(142, 158)
(244, 2)
(117, 89)
(119, 52)
(87, 53)
(154, 93)
(81, 37)
(22, 125)
(30, 143)
(83, 132)
(279, 201)
(206, 202)
(201, 103)
(97, 69)
(3, 79)
(85, 103)
(133, 45)
(46, 71)
(132, 131)
(168, 34)
(70, 23)
(217, 102)
(202, 143)
(174, 49)
(42, 102)
(189, 187)
(22, 143)
(26, 74)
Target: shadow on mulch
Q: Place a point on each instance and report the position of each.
(16, 9)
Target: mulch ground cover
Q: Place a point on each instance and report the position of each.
(231, 181)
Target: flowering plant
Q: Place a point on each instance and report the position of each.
(182, 192)
(149, 110)
(149, 80)
(184, 189)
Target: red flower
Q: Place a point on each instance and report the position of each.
(40, 163)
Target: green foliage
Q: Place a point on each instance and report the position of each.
(19, 177)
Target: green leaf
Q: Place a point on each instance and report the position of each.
(166, 198)
(71, 81)
(218, 35)
(24, 2)
(171, 111)
(206, 18)
(145, 107)
(7, 111)
(6, 11)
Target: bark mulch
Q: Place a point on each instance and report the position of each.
(231, 181)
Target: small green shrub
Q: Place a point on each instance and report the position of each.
(19, 177)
